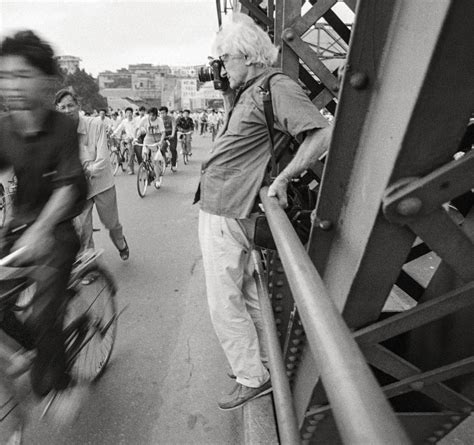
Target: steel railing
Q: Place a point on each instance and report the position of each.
(361, 411)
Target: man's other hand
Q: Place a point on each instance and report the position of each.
(278, 190)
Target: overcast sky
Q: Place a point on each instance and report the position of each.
(111, 34)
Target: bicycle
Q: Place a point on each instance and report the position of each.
(185, 138)
(90, 322)
(146, 171)
(6, 198)
(119, 154)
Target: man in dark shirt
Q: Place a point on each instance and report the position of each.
(170, 127)
(41, 147)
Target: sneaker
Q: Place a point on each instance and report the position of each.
(89, 278)
(242, 394)
(125, 252)
(174, 169)
(64, 406)
(130, 172)
(158, 182)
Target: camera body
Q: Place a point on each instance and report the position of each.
(213, 72)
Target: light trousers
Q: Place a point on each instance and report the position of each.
(106, 205)
(226, 246)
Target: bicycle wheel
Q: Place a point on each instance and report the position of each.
(3, 205)
(142, 180)
(125, 159)
(90, 326)
(114, 160)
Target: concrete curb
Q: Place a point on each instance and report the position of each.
(259, 422)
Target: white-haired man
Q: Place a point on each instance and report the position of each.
(230, 182)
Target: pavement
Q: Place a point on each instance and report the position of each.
(167, 370)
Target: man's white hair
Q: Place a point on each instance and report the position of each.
(243, 36)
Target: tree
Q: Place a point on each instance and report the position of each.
(87, 89)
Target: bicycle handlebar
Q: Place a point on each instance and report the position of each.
(11, 257)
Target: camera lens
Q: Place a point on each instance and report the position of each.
(205, 74)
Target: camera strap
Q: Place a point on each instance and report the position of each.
(269, 118)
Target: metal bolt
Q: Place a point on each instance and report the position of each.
(277, 321)
(296, 341)
(292, 358)
(409, 206)
(417, 386)
(293, 350)
(325, 225)
(288, 34)
(279, 296)
(278, 309)
(290, 365)
(359, 80)
(298, 331)
(279, 283)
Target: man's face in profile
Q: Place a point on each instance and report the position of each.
(23, 86)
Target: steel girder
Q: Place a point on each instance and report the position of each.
(405, 101)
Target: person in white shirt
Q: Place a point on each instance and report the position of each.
(154, 130)
(128, 128)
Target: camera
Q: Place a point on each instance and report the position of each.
(213, 72)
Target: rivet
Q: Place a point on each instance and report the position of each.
(288, 34)
(447, 426)
(325, 225)
(296, 341)
(279, 309)
(307, 435)
(318, 417)
(409, 206)
(294, 350)
(290, 365)
(280, 269)
(439, 433)
(279, 283)
(359, 80)
(277, 321)
(455, 418)
(292, 358)
(279, 296)
(311, 428)
(298, 331)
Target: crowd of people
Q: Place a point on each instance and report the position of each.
(61, 161)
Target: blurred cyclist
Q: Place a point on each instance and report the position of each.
(185, 126)
(41, 146)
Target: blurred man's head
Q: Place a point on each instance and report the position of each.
(163, 111)
(27, 71)
(153, 113)
(102, 113)
(67, 102)
(142, 111)
(186, 113)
